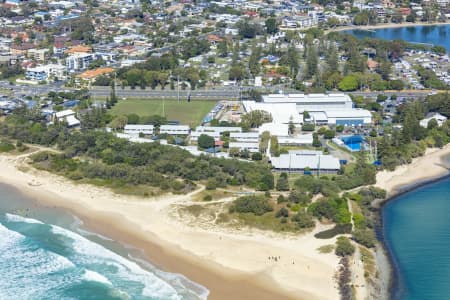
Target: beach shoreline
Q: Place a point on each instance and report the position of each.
(203, 256)
(432, 167)
(384, 26)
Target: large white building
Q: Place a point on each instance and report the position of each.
(302, 160)
(79, 61)
(333, 109)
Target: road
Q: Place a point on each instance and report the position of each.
(213, 94)
(225, 93)
(219, 93)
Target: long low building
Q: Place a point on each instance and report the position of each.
(136, 129)
(174, 129)
(252, 137)
(301, 162)
(196, 134)
(312, 102)
(299, 140)
(251, 147)
(217, 129)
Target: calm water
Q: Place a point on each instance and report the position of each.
(417, 231)
(436, 35)
(44, 254)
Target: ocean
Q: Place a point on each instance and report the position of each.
(417, 233)
(45, 253)
(436, 35)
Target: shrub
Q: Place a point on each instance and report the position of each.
(40, 156)
(283, 212)
(308, 127)
(257, 205)
(336, 230)
(303, 220)
(211, 184)
(344, 247)
(365, 237)
(256, 156)
(281, 199)
(207, 197)
(299, 197)
(6, 146)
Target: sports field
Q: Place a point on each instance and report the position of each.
(188, 113)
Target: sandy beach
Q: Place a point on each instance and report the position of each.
(433, 165)
(232, 264)
(221, 259)
(426, 168)
(381, 26)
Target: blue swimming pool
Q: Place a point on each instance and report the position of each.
(353, 143)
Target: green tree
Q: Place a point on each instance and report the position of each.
(332, 59)
(283, 182)
(119, 122)
(292, 61)
(311, 62)
(236, 73)
(329, 134)
(253, 61)
(256, 118)
(271, 25)
(316, 141)
(205, 141)
(348, 83)
(222, 49)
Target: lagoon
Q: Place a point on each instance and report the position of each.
(416, 231)
(433, 34)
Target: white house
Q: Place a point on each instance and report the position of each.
(67, 116)
(440, 119)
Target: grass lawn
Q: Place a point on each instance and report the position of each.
(188, 113)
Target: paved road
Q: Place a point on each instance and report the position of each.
(219, 93)
(226, 94)
(230, 93)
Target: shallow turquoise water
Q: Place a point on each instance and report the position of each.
(44, 254)
(417, 232)
(436, 35)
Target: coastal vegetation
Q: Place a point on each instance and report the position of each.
(96, 155)
(400, 145)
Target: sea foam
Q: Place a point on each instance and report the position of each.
(90, 252)
(94, 276)
(17, 218)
